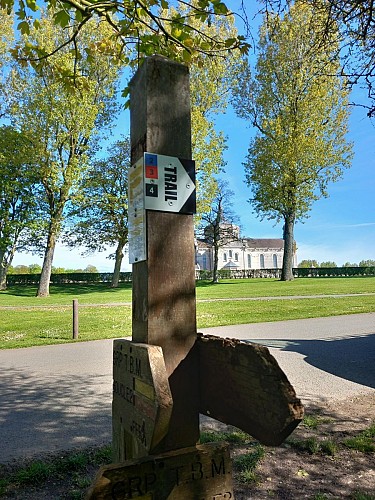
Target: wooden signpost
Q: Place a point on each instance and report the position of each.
(142, 401)
(169, 374)
(201, 472)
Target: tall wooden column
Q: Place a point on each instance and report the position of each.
(164, 307)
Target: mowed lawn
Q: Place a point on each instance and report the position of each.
(26, 320)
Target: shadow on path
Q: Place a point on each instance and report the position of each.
(39, 415)
(351, 358)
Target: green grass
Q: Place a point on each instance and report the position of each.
(362, 496)
(24, 325)
(96, 293)
(71, 464)
(239, 312)
(27, 327)
(233, 437)
(247, 463)
(364, 442)
(268, 287)
(313, 446)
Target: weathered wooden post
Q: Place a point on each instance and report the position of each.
(164, 306)
(75, 318)
(168, 373)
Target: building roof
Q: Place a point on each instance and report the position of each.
(264, 242)
(251, 243)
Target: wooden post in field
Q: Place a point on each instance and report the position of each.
(164, 307)
(75, 318)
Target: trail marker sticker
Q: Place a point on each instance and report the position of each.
(169, 184)
(157, 182)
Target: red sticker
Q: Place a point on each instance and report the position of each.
(151, 172)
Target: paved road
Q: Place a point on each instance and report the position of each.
(59, 397)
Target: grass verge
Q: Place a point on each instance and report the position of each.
(23, 324)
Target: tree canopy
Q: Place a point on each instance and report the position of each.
(59, 121)
(298, 105)
(137, 28)
(20, 209)
(355, 22)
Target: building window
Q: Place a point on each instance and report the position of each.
(236, 257)
(261, 258)
(230, 254)
(249, 261)
(225, 257)
(275, 261)
(204, 258)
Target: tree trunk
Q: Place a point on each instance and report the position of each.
(287, 270)
(45, 276)
(118, 262)
(3, 275)
(5, 262)
(215, 274)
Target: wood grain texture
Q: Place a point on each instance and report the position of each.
(242, 384)
(199, 472)
(142, 400)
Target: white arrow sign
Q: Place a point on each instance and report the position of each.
(157, 182)
(169, 184)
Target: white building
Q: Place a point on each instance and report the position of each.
(243, 254)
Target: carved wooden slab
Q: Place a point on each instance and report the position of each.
(142, 401)
(201, 472)
(242, 384)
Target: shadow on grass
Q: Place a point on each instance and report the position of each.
(67, 289)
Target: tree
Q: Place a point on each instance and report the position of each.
(61, 122)
(367, 263)
(90, 269)
(328, 264)
(219, 225)
(6, 40)
(142, 25)
(308, 263)
(20, 214)
(348, 264)
(356, 22)
(100, 211)
(299, 108)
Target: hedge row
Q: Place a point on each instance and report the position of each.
(316, 272)
(333, 272)
(60, 278)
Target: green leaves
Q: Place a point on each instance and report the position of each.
(62, 18)
(24, 28)
(153, 27)
(219, 7)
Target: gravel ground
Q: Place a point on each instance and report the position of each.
(285, 472)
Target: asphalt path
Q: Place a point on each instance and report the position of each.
(59, 397)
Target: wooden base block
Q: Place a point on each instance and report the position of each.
(201, 472)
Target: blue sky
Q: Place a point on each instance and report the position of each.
(340, 228)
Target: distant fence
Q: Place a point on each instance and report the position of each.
(126, 277)
(298, 272)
